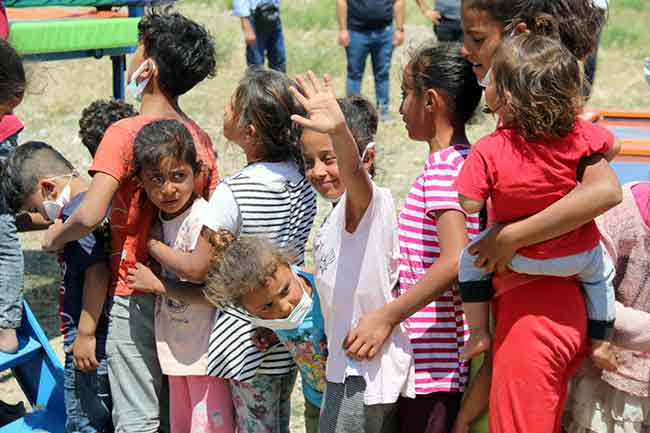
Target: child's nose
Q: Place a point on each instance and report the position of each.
(168, 188)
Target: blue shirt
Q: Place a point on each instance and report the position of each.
(308, 345)
(244, 8)
(78, 256)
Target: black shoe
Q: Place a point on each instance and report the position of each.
(11, 412)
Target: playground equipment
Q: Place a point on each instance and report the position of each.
(77, 29)
(632, 129)
(40, 375)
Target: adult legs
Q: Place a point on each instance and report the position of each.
(381, 52)
(356, 52)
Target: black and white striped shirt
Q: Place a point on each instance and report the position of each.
(264, 199)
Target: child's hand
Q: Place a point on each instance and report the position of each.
(263, 338)
(320, 103)
(494, 252)
(141, 278)
(366, 338)
(51, 233)
(83, 352)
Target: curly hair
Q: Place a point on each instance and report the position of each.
(540, 84)
(262, 99)
(579, 21)
(443, 68)
(25, 166)
(183, 50)
(97, 117)
(240, 266)
(12, 73)
(162, 139)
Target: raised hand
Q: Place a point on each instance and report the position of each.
(318, 99)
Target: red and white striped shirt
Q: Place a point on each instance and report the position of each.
(438, 331)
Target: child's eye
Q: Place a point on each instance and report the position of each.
(157, 180)
(267, 307)
(178, 177)
(309, 164)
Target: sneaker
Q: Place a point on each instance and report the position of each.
(11, 412)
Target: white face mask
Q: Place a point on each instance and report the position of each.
(53, 208)
(294, 319)
(135, 89)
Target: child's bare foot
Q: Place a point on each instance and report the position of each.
(603, 356)
(479, 342)
(8, 340)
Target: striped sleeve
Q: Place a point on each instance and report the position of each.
(438, 178)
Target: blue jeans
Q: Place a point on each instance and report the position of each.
(271, 44)
(593, 268)
(379, 44)
(11, 258)
(87, 397)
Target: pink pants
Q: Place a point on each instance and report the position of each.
(200, 404)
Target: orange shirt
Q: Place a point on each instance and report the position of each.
(132, 213)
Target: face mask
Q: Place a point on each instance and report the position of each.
(295, 318)
(487, 79)
(53, 208)
(135, 89)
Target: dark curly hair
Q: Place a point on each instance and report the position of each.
(443, 68)
(362, 119)
(262, 99)
(97, 117)
(578, 21)
(25, 166)
(162, 139)
(539, 82)
(12, 73)
(183, 50)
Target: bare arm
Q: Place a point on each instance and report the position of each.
(367, 337)
(31, 221)
(476, 398)
(398, 12)
(342, 14)
(191, 266)
(87, 217)
(615, 150)
(143, 279)
(598, 192)
(470, 205)
(96, 282)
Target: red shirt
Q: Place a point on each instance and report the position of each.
(132, 213)
(523, 177)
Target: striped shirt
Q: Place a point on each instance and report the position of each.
(264, 199)
(438, 331)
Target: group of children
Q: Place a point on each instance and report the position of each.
(184, 305)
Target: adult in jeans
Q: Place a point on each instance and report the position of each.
(262, 29)
(366, 27)
(445, 17)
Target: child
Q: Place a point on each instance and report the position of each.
(268, 197)
(532, 160)
(97, 117)
(173, 55)
(439, 95)
(356, 255)
(254, 274)
(164, 161)
(12, 89)
(37, 178)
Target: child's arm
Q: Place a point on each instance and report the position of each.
(87, 217)
(191, 266)
(31, 221)
(476, 398)
(615, 150)
(598, 192)
(326, 116)
(96, 282)
(367, 337)
(470, 205)
(142, 278)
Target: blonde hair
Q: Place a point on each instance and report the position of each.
(240, 266)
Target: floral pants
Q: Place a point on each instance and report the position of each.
(264, 404)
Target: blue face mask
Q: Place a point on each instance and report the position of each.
(135, 89)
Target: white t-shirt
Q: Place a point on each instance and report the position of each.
(355, 274)
(183, 330)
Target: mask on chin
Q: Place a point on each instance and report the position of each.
(294, 319)
(53, 208)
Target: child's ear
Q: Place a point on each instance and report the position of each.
(432, 101)
(49, 188)
(369, 158)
